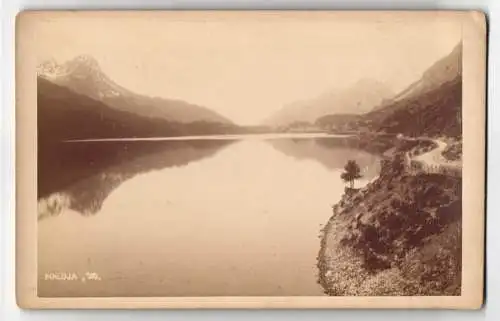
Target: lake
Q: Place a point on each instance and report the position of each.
(188, 217)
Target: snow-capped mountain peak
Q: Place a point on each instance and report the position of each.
(83, 74)
(82, 65)
(50, 69)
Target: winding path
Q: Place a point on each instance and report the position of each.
(433, 161)
(435, 157)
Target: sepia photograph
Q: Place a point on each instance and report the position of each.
(263, 154)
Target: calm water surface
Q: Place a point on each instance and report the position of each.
(189, 218)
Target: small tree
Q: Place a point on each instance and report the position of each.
(351, 172)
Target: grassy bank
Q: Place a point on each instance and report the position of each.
(399, 235)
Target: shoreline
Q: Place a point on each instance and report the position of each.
(321, 264)
(213, 137)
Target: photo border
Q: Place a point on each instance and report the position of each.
(473, 177)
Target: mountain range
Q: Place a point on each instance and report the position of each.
(76, 100)
(66, 115)
(444, 70)
(83, 75)
(357, 99)
(429, 106)
(432, 106)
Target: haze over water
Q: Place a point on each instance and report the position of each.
(239, 219)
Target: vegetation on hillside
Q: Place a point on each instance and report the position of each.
(338, 122)
(351, 173)
(453, 151)
(433, 113)
(400, 235)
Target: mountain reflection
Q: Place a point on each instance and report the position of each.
(331, 152)
(80, 176)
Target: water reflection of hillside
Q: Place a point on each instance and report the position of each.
(81, 175)
(333, 153)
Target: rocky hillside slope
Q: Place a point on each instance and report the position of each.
(399, 235)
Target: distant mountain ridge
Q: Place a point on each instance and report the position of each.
(358, 99)
(84, 76)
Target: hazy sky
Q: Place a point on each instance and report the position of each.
(248, 66)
